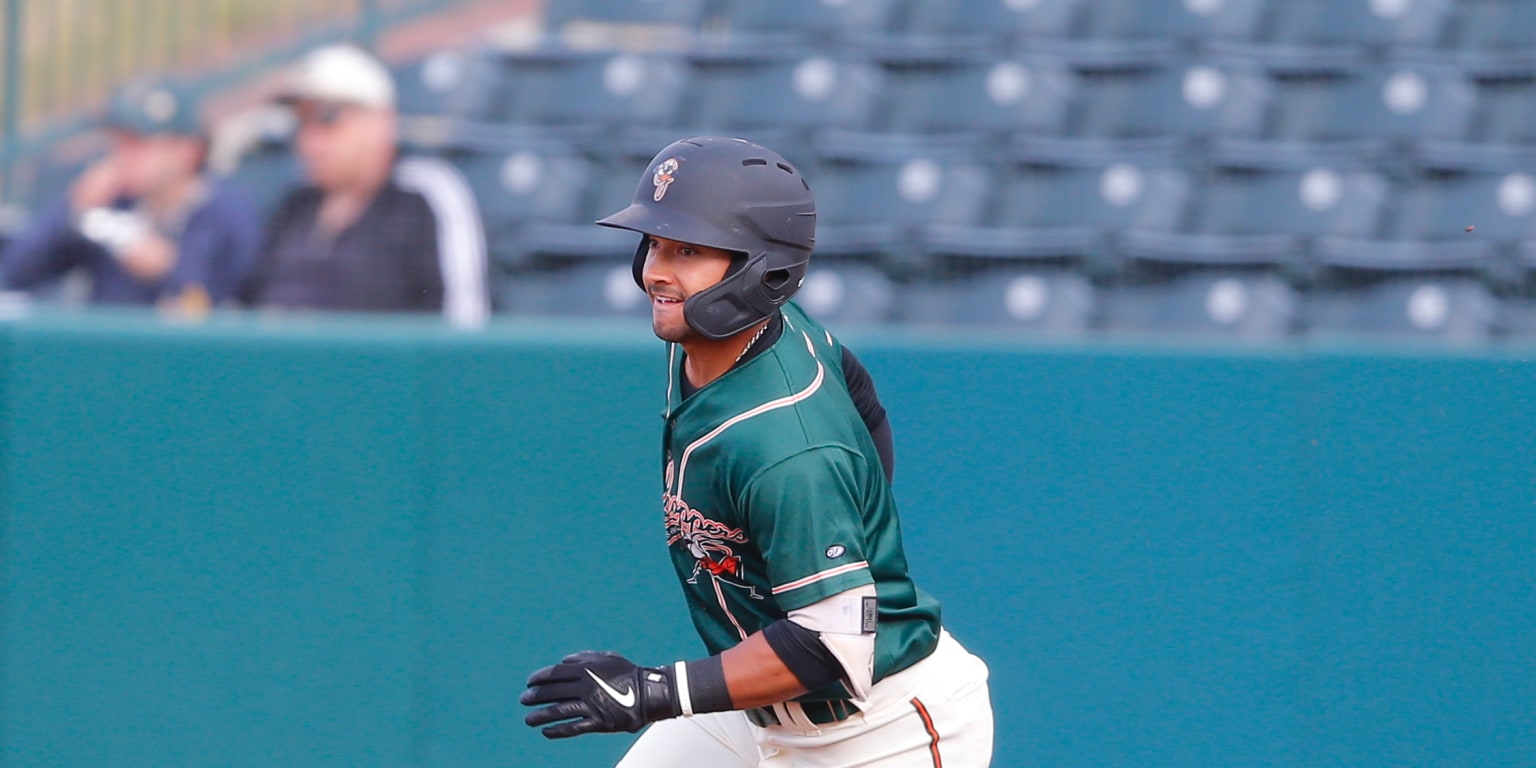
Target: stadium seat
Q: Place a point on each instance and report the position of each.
(1452, 306)
(976, 97)
(1323, 101)
(610, 183)
(847, 292)
(1483, 30)
(874, 199)
(1425, 273)
(1500, 124)
(1035, 297)
(1067, 208)
(1117, 21)
(456, 83)
(783, 91)
(1217, 263)
(765, 25)
(601, 288)
(519, 181)
(1027, 263)
(974, 26)
(1506, 110)
(1245, 304)
(1243, 211)
(1519, 317)
(1148, 96)
(1065, 99)
(1351, 23)
(1157, 92)
(1443, 219)
(589, 90)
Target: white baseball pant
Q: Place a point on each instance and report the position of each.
(935, 714)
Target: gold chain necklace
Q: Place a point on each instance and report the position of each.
(748, 347)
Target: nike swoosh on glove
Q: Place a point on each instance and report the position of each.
(599, 692)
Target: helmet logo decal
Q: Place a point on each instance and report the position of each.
(666, 172)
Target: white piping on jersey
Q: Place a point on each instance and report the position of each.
(720, 596)
(671, 367)
(771, 405)
(820, 576)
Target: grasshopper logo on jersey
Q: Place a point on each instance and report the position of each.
(708, 541)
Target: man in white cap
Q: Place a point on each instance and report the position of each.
(353, 238)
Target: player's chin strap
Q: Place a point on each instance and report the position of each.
(603, 692)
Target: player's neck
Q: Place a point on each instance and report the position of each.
(708, 359)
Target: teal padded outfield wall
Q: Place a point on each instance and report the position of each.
(258, 542)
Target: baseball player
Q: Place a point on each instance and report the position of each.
(777, 507)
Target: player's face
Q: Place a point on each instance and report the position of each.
(673, 272)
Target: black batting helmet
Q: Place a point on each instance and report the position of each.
(733, 195)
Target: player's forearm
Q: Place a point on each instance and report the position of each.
(756, 676)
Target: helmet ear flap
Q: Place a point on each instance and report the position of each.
(637, 268)
(743, 298)
(731, 305)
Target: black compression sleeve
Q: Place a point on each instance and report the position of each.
(861, 387)
(884, 444)
(803, 652)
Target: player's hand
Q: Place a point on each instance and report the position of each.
(599, 692)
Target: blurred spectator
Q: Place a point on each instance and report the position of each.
(355, 237)
(145, 223)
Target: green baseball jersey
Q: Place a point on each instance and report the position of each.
(775, 498)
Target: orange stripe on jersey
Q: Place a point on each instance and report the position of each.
(933, 734)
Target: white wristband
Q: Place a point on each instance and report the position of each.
(680, 681)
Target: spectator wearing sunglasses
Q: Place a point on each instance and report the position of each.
(351, 238)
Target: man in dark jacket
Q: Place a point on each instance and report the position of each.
(145, 223)
(352, 239)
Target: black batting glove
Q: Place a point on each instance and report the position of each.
(599, 692)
